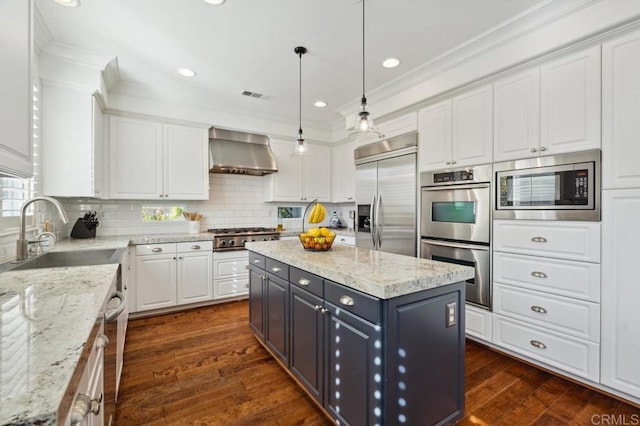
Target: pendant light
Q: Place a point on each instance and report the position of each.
(300, 147)
(364, 122)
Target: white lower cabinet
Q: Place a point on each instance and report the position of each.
(571, 354)
(230, 274)
(173, 274)
(546, 293)
(478, 323)
(621, 291)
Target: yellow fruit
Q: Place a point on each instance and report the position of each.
(313, 232)
(331, 234)
(318, 213)
(324, 231)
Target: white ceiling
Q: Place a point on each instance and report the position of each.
(248, 45)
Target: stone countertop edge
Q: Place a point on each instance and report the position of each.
(56, 312)
(379, 274)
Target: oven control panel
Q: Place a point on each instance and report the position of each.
(454, 176)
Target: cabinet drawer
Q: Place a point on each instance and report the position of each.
(231, 268)
(563, 277)
(231, 287)
(257, 260)
(478, 323)
(155, 249)
(195, 246)
(358, 303)
(278, 269)
(571, 316)
(311, 283)
(573, 355)
(562, 240)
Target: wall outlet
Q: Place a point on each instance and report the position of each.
(451, 314)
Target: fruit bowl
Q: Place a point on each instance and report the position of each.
(317, 239)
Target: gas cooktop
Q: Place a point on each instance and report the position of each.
(234, 238)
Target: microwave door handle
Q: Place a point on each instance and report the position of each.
(379, 220)
(372, 221)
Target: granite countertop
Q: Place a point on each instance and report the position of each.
(48, 315)
(379, 274)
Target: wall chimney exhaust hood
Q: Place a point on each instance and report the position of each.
(240, 153)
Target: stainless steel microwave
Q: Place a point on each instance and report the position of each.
(556, 187)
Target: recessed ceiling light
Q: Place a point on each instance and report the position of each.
(186, 72)
(70, 3)
(215, 2)
(320, 104)
(391, 63)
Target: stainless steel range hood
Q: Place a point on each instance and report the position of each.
(240, 153)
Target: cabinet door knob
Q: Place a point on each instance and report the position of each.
(453, 162)
(324, 311)
(538, 309)
(102, 341)
(246, 285)
(534, 150)
(156, 249)
(347, 301)
(448, 163)
(538, 344)
(304, 281)
(317, 307)
(539, 239)
(538, 274)
(195, 247)
(543, 148)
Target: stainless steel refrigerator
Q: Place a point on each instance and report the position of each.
(386, 193)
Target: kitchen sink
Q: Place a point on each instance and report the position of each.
(69, 258)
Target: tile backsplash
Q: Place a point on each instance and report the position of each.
(234, 201)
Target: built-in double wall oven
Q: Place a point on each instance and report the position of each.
(455, 224)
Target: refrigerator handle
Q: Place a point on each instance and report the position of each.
(372, 220)
(379, 220)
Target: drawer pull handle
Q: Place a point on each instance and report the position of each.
(276, 269)
(347, 301)
(539, 239)
(538, 274)
(304, 281)
(538, 344)
(538, 309)
(156, 250)
(256, 261)
(102, 341)
(196, 247)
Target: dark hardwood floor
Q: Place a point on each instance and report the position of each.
(205, 367)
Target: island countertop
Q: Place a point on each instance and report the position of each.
(379, 274)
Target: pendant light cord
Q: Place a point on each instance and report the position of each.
(364, 99)
(300, 97)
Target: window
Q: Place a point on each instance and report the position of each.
(162, 213)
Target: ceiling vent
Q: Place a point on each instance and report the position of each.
(257, 95)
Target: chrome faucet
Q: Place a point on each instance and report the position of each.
(22, 245)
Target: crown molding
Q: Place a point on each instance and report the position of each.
(528, 21)
(41, 34)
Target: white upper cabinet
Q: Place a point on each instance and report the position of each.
(399, 126)
(516, 116)
(16, 148)
(72, 133)
(155, 161)
(434, 134)
(343, 176)
(570, 103)
(300, 177)
(620, 108)
(457, 132)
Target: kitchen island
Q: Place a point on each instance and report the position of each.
(373, 337)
